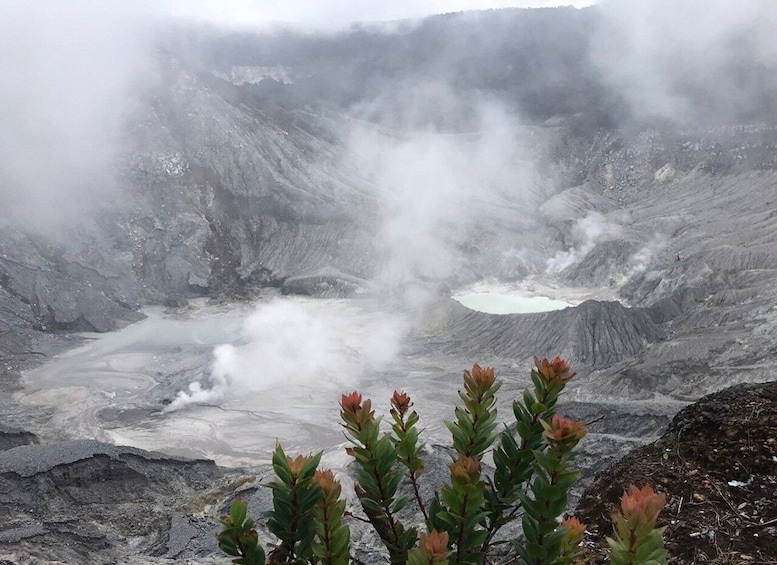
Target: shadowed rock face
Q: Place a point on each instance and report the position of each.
(228, 187)
(44, 285)
(11, 437)
(80, 501)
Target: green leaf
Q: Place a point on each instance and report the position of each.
(309, 468)
(521, 550)
(538, 553)
(555, 537)
(648, 552)
(458, 434)
(451, 498)
(465, 418)
(565, 481)
(391, 484)
(281, 465)
(543, 459)
(446, 521)
(477, 538)
(340, 538)
(539, 385)
(370, 504)
(228, 545)
(417, 557)
(556, 508)
(401, 502)
(308, 498)
(530, 527)
(238, 511)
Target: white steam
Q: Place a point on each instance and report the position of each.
(588, 232)
(594, 229)
(434, 190)
(640, 261)
(71, 74)
(297, 346)
(688, 60)
(438, 190)
(436, 186)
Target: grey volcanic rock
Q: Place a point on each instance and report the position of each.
(29, 460)
(605, 265)
(594, 334)
(217, 199)
(232, 196)
(324, 284)
(577, 202)
(13, 437)
(86, 502)
(59, 292)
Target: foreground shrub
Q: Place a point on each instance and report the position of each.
(238, 538)
(637, 540)
(533, 473)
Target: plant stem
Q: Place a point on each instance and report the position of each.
(413, 477)
(416, 492)
(460, 537)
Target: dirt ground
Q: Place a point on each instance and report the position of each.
(717, 464)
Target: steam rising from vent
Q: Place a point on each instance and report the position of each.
(640, 261)
(594, 229)
(588, 232)
(441, 189)
(295, 347)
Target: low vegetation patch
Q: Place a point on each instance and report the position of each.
(534, 470)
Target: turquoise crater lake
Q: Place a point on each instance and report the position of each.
(498, 303)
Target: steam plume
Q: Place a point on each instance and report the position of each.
(294, 347)
(691, 61)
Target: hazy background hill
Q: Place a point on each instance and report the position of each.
(536, 61)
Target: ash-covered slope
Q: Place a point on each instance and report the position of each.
(217, 197)
(233, 194)
(694, 238)
(235, 174)
(595, 334)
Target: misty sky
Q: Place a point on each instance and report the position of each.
(337, 13)
(73, 71)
